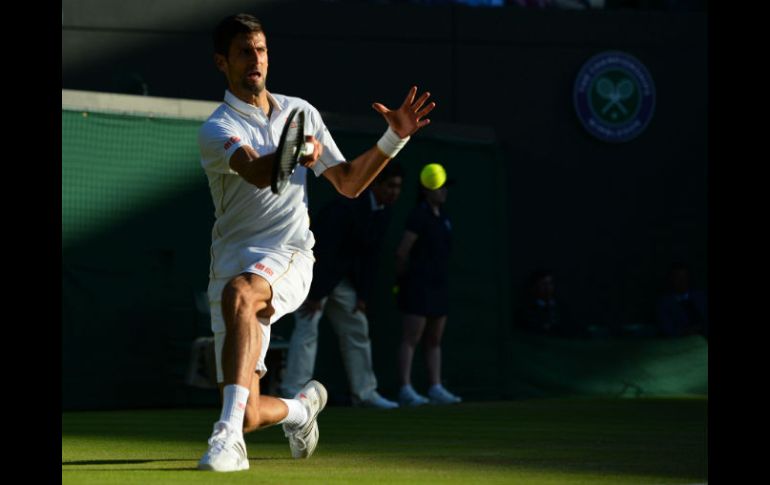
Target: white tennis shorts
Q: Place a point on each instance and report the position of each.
(289, 275)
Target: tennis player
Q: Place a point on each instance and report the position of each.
(261, 251)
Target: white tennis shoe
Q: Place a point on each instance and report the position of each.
(304, 439)
(227, 451)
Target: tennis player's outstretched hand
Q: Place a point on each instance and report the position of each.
(407, 119)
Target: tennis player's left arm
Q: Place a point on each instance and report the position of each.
(351, 179)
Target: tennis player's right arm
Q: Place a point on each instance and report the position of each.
(254, 169)
(258, 170)
(223, 150)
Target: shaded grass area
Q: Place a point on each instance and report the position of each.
(564, 441)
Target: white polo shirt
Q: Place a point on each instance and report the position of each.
(251, 220)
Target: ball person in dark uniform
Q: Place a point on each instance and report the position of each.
(422, 261)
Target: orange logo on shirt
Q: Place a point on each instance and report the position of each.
(262, 267)
(229, 143)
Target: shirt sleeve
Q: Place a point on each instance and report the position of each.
(218, 140)
(331, 155)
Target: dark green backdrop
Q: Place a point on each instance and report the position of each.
(136, 216)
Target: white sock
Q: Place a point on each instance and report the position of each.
(297, 413)
(234, 407)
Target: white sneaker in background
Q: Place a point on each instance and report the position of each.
(377, 401)
(439, 395)
(407, 396)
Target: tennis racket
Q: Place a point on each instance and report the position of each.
(291, 147)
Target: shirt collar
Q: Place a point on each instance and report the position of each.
(375, 205)
(249, 110)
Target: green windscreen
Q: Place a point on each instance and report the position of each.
(117, 166)
(136, 222)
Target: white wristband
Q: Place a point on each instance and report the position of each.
(391, 143)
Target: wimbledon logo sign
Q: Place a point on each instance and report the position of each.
(614, 96)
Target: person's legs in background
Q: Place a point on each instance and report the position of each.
(303, 347)
(434, 331)
(352, 328)
(412, 329)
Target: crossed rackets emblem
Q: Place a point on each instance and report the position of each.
(614, 93)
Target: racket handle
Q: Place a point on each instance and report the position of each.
(307, 149)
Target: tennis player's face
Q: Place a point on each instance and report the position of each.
(246, 64)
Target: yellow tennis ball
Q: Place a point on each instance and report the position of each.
(432, 176)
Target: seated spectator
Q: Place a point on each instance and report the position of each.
(682, 310)
(542, 312)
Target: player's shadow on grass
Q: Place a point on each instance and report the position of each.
(135, 462)
(114, 462)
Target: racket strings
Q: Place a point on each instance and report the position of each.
(290, 150)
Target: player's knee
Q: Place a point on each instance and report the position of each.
(240, 294)
(260, 287)
(235, 293)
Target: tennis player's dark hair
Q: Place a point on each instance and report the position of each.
(392, 169)
(231, 26)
